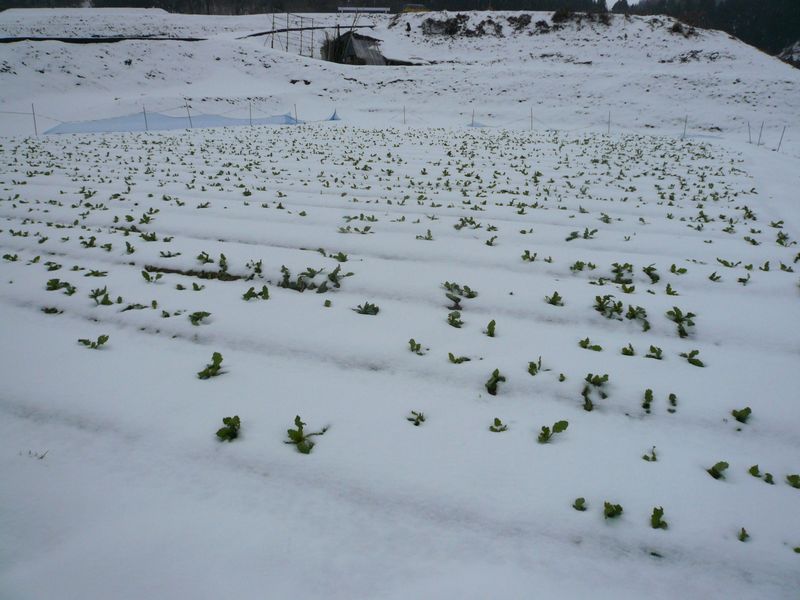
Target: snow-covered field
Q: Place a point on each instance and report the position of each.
(640, 288)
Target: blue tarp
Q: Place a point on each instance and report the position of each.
(161, 122)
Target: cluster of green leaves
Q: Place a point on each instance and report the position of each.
(94, 345)
(490, 328)
(742, 415)
(718, 470)
(151, 277)
(586, 344)
(213, 369)
(302, 440)
(252, 294)
(546, 433)
(755, 472)
(681, 320)
(230, 429)
(196, 318)
(491, 384)
(692, 359)
(54, 285)
(416, 418)
(457, 360)
(498, 426)
(367, 309)
(611, 511)
(656, 519)
(454, 319)
(607, 307)
(556, 299)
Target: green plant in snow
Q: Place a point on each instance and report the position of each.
(606, 306)
(655, 352)
(151, 278)
(490, 328)
(714, 277)
(628, 350)
(230, 430)
(56, 284)
(491, 384)
(251, 294)
(718, 470)
(742, 415)
(457, 360)
(651, 457)
(96, 345)
(546, 433)
(754, 471)
(454, 319)
(416, 418)
(637, 313)
(555, 299)
(743, 536)
(650, 271)
(793, 480)
(648, 400)
(367, 309)
(586, 344)
(535, 367)
(497, 426)
(196, 318)
(691, 357)
(579, 504)
(300, 438)
(656, 519)
(213, 369)
(670, 292)
(528, 257)
(681, 320)
(100, 297)
(415, 347)
(611, 511)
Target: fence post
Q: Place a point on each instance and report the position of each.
(749, 137)
(296, 122)
(759, 134)
(272, 41)
(312, 39)
(287, 32)
(144, 112)
(531, 117)
(685, 121)
(188, 114)
(301, 36)
(609, 123)
(473, 118)
(35, 128)
(250, 110)
(404, 114)
(781, 140)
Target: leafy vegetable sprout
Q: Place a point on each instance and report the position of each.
(498, 426)
(692, 359)
(454, 319)
(556, 299)
(491, 384)
(655, 352)
(94, 345)
(718, 470)
(367, 309)
(251, 294)
(490, 328)
(457, 360)
(416, 418)
(151, 277)
(681, 320)
(611, 511)
(196, 318)
(742, 415)
(656, 519)
(300, 438)
(743, 536)
(579, 504)
(586, 344)
(230, 431)
(213, 369)
(546, 434)
(793, 480)
(415, 347)
(651, 456)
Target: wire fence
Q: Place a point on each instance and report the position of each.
(201, 114)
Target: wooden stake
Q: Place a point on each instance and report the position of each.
(301, 36)
(188, 114)
(609, 123)
(272, 43)
(749, 137)
(144, 112)
(287, 32)
(473, 117)
(685, 121)
(759, 134)
(295, 115)
(781, 140)
(531, 117)
(311, 54)
(250, 109)
(35, 128)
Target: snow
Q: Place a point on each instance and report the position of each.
(118, 487)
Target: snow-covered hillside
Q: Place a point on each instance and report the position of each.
(649, 77)
(464, 363)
